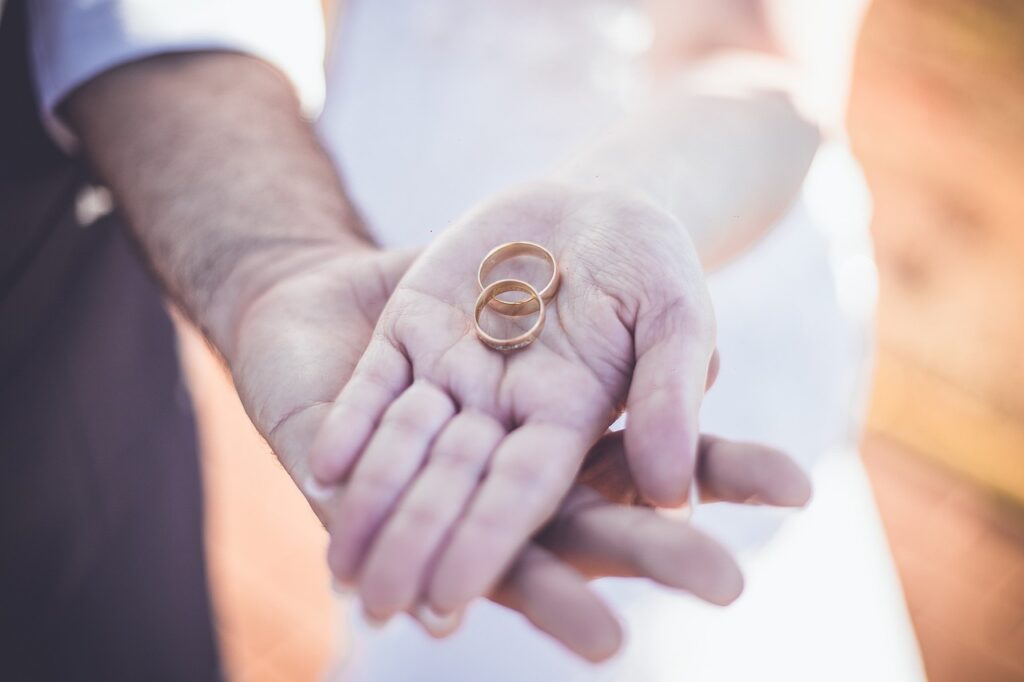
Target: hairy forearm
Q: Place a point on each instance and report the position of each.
(220, 178)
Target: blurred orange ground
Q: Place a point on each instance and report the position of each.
(959, 550)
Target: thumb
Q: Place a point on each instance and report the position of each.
(674, 349)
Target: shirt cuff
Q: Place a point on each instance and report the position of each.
(76, 40)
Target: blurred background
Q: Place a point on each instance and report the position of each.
(936, 118)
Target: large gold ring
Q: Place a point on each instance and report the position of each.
(510, 250)
(516, 342)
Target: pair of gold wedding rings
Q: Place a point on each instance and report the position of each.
(490, 294)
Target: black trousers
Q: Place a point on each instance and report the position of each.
(102, 571)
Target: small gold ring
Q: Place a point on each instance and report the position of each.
(516, 342)
(510, 250)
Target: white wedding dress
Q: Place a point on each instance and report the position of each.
(433, 106)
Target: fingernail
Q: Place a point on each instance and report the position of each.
(438, 625)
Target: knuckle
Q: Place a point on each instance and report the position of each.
(468, 443)
(358, 513)
(369, 384)
(679, 317)
(406, 423)
(372, 486)
(419, 516)
(523, 476)
(666, 391)
(460, 457)
(420, 409)
(481, 426)
(487, 525)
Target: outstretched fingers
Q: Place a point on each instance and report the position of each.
(381, 375)
(727, 471)
(396, 568)
(557, 600)
(604, 539)
(531, 471)
(749, 473)
(389, 463)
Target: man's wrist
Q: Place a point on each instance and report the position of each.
(221, 179)
(258, 271)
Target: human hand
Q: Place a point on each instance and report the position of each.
(599, 532)
(299, 340)
(454, 454)
(296, 339)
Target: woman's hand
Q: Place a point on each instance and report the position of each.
(598, 532)
(454, 454)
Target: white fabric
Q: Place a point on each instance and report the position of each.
(75, 40)
(432, 107)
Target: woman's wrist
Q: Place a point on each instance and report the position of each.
(726, 164)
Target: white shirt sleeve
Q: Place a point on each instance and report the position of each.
(75, 40)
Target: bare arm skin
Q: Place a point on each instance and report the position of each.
(720, 141)
(220, 177)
